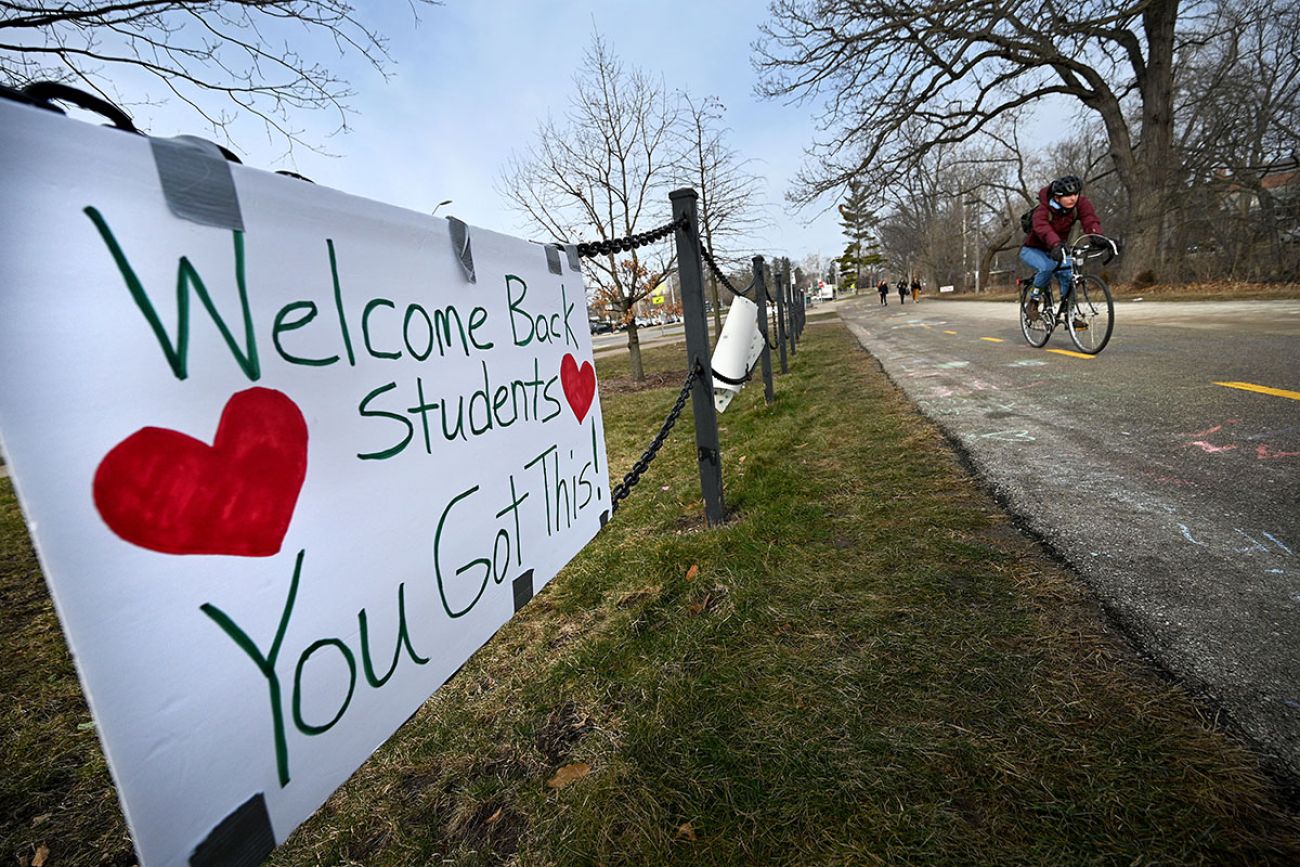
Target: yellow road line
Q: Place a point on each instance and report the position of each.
(949, 332)
(1262, 389)
(1071, 354)
(992, 339)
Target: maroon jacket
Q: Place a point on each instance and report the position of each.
(1052, 226)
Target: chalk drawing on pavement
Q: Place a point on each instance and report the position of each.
(1009, 436)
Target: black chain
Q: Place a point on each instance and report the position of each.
(42, 94)
(770, 330)
(623, 488)
(589, 249)
(717, 272)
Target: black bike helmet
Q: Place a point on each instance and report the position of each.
(1070, 185)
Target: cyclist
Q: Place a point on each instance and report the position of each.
(1060, 204)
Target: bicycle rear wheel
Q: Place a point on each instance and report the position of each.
(1035, 323)
(1092, 314)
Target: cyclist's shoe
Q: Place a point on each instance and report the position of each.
(1080, 324)
(1031, 310)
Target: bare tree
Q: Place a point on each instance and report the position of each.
(1007, 179)
(206, 53)
(605, 169)
(1237, 112)
(953, 67)
(919, 226)
(730, 203)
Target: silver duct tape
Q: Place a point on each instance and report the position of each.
(460, 246)
(574, 263)
(196, 182)
(553, 259)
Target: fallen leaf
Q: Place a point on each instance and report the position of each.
(42, 852)
(495, 817)
(692, 572)
(742, 459)
(686, 832)
(701, 606)
(41, 819)
(568, 774)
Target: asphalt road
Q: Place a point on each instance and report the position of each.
(1176, 499)
(652, 335)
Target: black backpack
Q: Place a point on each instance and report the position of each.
(1027, 220)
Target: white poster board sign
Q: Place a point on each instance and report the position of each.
(282, 481)
(946, 288)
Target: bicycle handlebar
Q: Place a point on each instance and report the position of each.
(1098, 242)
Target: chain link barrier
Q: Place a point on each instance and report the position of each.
(591, 249)
(623, 488)
(717, 272)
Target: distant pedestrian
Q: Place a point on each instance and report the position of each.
(883, 288)
(902, 291)
(916, 291)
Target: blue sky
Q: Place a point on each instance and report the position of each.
(472, 81)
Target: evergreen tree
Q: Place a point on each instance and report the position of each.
(863, 250)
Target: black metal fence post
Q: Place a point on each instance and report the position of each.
(696, 324)
(781, 308)
(760, 287)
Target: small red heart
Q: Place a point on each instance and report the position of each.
(168, 492)
(579, 385)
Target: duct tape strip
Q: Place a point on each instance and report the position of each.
(553, 259)
(523, 589)
(243, 839)
(196, 181)
(460, 246)
(575, 264)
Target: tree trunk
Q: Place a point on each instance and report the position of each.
(634, 351)
(713, 288)
(717, 309)
(995, 246)
(1150, 197)
(1142, 246)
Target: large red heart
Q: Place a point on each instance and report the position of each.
(166, 491)
(579, 385)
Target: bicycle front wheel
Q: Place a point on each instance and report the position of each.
(1092, 314)
(1035, 318)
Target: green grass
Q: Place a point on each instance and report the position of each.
(869, 664)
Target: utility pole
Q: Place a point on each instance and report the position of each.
(965, 272)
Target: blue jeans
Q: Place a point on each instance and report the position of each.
(1044, 266)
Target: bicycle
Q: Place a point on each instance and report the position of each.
(1089, 310)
